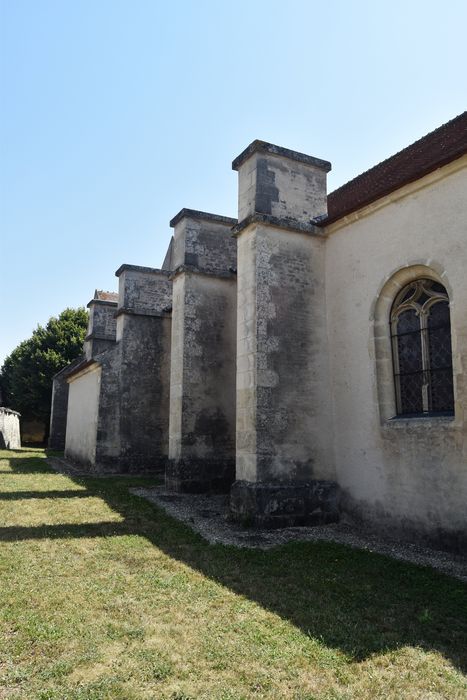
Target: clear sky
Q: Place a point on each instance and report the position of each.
(116, 114)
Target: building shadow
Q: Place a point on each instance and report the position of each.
(32, 495)
(29, 448)
(354, 601)
(26, 465)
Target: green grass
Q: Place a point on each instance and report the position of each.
(103, 596)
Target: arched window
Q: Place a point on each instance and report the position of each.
(421, 346)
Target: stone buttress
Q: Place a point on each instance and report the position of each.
(125, 427)
(102, 324)
(143, 346)
(100, 337)
(284, 452)
(202, 386)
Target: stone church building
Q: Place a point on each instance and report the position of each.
(310, 356)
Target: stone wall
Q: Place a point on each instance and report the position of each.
(9, 429)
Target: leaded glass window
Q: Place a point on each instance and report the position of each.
(421, 345)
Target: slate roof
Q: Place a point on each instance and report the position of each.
(434, 150)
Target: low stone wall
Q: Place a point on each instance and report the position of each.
(9, 429)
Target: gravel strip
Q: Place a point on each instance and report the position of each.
(208, 515)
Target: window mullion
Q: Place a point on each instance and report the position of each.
(395, 360)
(426, 388)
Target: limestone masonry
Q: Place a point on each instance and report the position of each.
(309, 357)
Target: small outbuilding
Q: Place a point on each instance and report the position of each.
(9, 429)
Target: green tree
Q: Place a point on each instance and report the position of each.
(26, 374)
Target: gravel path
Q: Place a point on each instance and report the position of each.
(208, 515)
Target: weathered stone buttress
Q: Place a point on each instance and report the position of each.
(202, 383)
(285, 467)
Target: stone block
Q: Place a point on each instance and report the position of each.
(273, 505)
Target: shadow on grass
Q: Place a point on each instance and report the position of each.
(22, 450)
(359, 602)
(25, 465)
(31, 495)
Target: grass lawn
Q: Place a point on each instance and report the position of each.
(105, 596)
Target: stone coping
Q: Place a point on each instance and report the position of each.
(277, 222)
(101, 302)
(98, 336)
(140, 268)
(202, 216)
(223, 274)
(259, 146)
(126, 311)
(4, 409)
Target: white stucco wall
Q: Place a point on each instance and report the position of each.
(83, 408)
(9, 429)
(412, 472)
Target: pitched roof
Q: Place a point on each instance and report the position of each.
(69, 368)
(100, 295)
(79, 366)
(434, 150)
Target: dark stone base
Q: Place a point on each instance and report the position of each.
(116, 466)
(374, 518)
(57, 444)
(142, 464)
(271, 505)
(200, 475)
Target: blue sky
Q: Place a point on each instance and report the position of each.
(114, 115)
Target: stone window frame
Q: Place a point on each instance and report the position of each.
(383, 353)
(401, 305)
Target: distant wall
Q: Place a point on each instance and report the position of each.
(9, 429)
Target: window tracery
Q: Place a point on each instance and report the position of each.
(421, 346)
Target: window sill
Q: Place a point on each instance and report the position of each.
(401, 422)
